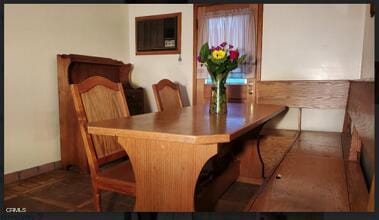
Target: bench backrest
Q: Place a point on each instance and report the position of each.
(331, 94)
(314, 94)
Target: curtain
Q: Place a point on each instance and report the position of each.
(236, 27)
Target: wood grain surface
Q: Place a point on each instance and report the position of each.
(190, 124)
(305, 94)
(166, 172)
(98, 98)
(361, 111)
(358, 192)
(168, 149)
(308, 183)
(167, 95)
(308, 179)
(73, 69)
(234, 93)
(101, 103)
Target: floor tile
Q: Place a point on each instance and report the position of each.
(31, 205)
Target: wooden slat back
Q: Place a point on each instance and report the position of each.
(96, 99)
(167, 95)
(304, 93)
(101, 103)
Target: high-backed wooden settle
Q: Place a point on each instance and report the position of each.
(355, 171)
(75, 68)
(358, 141)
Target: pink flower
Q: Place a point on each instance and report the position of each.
(198, 58)
(223, 44)
(234, 54)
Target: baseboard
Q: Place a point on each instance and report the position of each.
(31, 172)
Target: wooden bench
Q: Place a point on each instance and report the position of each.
(322, 171)
(358, 141)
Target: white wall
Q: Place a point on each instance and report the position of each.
(149, 69)
(34, 35)
(312, 42)
(368, 56)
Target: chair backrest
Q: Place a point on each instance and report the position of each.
(96, 99)
(167, 95)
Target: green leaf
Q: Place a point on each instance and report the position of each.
(204, 52)
(220, 69)
(232, 65)
(242, 59)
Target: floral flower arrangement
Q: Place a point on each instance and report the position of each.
(220, 60)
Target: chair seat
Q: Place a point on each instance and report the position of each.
(118, 178)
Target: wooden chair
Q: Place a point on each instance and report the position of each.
(95, 99)
(167, 95)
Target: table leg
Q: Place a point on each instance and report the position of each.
(252, 165)
(166, 172)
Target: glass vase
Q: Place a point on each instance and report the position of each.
(218, 101)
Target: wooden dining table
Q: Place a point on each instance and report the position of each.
(168, 149)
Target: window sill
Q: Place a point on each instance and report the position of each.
(232, 84)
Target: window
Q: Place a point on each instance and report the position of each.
(235, 25)
(158, 34)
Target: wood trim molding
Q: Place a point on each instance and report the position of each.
(93, 81)
(259, 43)
(194, 60)
(31, 172)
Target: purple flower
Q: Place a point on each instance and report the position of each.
(223, 44)
(218, 48)
(231, 46)
(212, 48)
(198, 58)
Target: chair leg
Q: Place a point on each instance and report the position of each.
(97, 199)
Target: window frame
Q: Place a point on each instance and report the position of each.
(176, 50)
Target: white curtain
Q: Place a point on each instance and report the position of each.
(237, 28)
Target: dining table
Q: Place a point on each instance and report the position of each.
(169, 149)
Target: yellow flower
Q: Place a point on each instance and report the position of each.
(218, 54)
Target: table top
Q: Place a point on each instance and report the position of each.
(191, 124)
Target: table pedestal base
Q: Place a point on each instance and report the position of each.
(166, 172)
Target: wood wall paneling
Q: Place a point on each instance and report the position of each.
(235, 93)
(305, 94)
